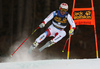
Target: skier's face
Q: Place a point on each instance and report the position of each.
(62, 12)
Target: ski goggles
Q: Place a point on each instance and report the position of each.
(63, 10)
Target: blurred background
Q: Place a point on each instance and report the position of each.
(19, 18)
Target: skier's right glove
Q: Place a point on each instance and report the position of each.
(42, 24)
(71, 31)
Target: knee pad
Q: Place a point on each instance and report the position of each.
(47, 32)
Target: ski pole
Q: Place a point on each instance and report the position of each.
(24, 41)
(65, 44)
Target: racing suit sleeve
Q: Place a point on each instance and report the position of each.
(71, 21)
(49, 17)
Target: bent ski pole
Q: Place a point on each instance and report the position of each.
(24, 41)
(65, 44)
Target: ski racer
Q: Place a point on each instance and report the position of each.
(56, 29)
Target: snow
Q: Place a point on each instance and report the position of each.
(23, 60)
(53, 64)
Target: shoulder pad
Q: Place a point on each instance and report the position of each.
(56, 12)
(66, 14)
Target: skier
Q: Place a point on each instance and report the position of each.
(56, 29)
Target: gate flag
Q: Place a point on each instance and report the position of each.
(84, 16)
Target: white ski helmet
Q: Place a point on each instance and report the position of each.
(63, 6)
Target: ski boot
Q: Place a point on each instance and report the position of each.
(33, 46)
(48, 44)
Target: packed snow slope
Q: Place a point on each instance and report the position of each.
(54, 64)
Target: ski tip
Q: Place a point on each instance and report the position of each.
(62, 51)
(10, 55)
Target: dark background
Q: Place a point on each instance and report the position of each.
(19, 18)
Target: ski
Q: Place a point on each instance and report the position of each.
(48, 44)
(43, 47)
(30, 49)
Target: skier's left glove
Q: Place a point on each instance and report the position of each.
(71, 31)
(42, 24)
